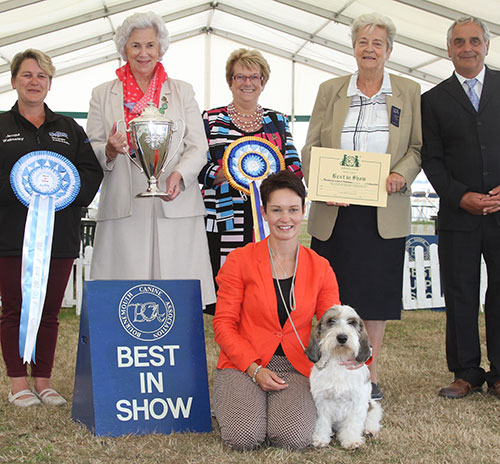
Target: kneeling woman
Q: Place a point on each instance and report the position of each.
(269, 293)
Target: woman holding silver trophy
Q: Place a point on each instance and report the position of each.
(162, 237)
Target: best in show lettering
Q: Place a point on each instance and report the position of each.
(147, 313)
(156, 356)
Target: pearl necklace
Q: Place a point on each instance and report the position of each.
(246, 122)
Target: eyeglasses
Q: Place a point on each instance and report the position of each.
(241, 78)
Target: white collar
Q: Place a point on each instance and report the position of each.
(354, 90)
(479, 77)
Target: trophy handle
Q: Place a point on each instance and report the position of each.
(127, 152)
(174, 129)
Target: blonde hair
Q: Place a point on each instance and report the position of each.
(43, 60)
(373, 20)
(249, 59)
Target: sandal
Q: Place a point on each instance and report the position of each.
(50, 397)
(31, 400)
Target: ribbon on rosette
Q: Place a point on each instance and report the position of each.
(44, 182)
(247, 162)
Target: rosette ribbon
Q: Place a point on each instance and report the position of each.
(45, 182)
(247, 162)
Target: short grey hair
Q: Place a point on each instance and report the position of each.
(373, 20)
(465, 20)
(142, 21)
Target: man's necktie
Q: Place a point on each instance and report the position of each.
(474, 99)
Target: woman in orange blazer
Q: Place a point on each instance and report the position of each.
(269, 293)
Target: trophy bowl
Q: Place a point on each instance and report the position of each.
(151, 135)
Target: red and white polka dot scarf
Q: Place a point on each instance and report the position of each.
(134, 100)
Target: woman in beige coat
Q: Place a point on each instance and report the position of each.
(148, 238)
(368, 111)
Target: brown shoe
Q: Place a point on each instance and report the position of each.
(458, 389)
(494, 389)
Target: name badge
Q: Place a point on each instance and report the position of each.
(395, 116)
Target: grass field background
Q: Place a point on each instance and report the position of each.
(418, 426)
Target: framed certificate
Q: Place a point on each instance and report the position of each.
(347, 176)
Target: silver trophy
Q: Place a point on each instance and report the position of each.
(151, 135)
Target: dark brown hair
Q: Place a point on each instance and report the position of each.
(282, 180)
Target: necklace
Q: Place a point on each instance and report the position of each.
(291, 299)
(273, 255)
(246, 122)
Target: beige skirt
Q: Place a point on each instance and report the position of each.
(146, 245)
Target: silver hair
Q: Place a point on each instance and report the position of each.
(373, 20)
(141, 21)
(465, 20)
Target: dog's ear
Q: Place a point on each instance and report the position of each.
(364, 352)
(312, 351)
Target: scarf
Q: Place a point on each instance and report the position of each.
(134, 100)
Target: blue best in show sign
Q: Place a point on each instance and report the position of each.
(141, 363)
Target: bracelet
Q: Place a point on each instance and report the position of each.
(259, 367)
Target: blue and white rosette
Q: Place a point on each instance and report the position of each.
(246, 163)
(45, 182)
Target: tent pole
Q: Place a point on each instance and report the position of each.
(208, 70)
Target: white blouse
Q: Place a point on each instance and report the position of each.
(366, 127)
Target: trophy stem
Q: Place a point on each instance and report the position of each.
(153, 190)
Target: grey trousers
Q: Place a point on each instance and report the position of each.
(248, 415)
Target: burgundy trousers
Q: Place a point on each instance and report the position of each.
(10, 291)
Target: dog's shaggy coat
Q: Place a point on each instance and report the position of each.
(342, 396)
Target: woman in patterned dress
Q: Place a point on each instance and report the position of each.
(229, 218)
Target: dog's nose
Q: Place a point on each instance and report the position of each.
(341, 338)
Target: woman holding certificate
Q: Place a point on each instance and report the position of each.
(368, 111)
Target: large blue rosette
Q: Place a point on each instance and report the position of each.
(45, 182)
(247, 162)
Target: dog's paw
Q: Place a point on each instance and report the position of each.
(352, 444)
(320, 442)
(371, 431)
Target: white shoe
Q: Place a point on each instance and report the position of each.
(50, 397)
(31, 399)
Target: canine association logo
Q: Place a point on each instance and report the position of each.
(146, 312)
(413, 242)
(351, 161)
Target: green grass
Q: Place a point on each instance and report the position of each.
(418, 426)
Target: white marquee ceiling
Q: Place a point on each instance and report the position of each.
(311, 34)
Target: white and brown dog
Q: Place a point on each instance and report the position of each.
(342, 396)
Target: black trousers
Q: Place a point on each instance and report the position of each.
(460, 260)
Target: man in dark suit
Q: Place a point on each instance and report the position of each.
(461, 158)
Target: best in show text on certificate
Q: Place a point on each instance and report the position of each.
(347, 176)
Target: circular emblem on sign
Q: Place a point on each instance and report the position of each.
(413, 242)
(45, 173)
(146, 312)
(249, 159)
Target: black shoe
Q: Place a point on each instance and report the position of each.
(377, 394)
